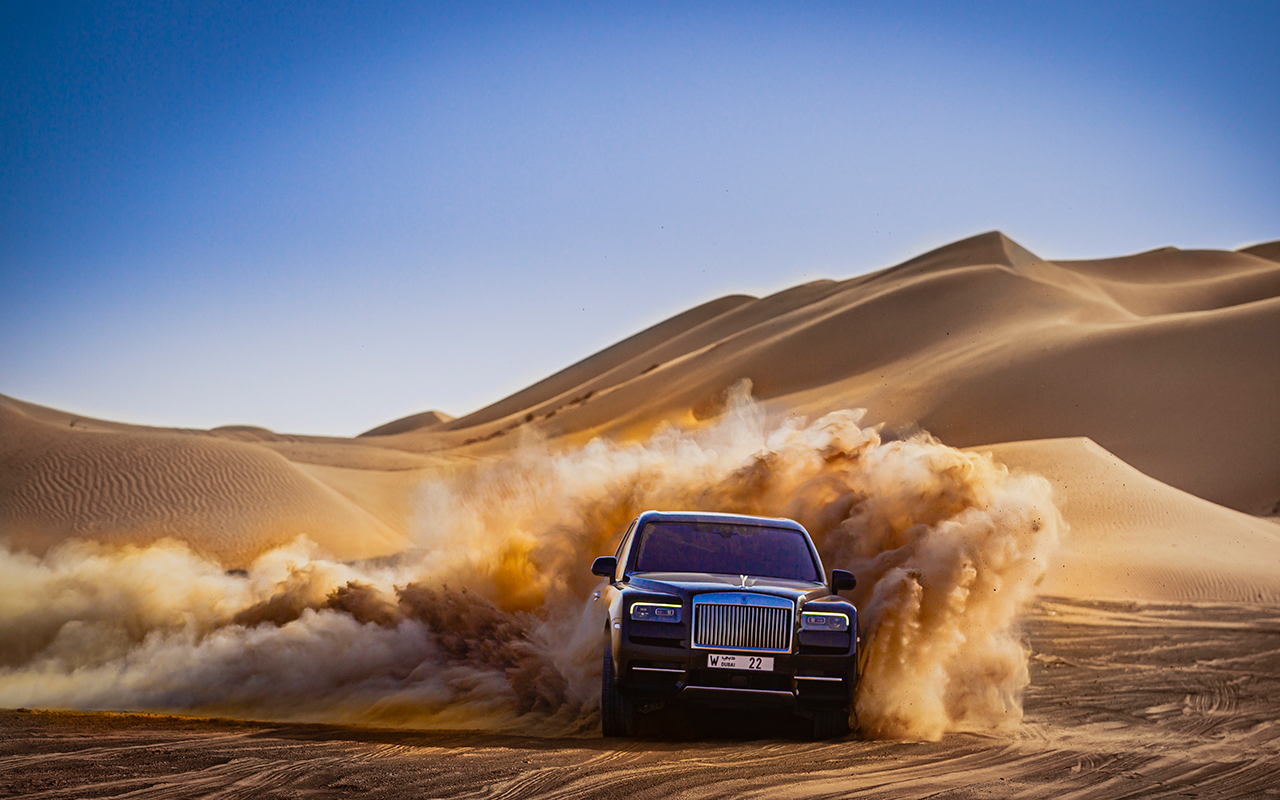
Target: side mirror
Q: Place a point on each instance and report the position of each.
(842, 579)
(605, 566)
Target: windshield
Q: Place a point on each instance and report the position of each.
(726, 549)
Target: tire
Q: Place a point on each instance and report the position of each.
(617, 711)
(830, 723)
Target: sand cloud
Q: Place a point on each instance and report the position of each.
(485, 622)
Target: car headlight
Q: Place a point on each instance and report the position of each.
(824, 621)
(656, 612)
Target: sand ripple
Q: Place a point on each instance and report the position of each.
(225, 499)
(1128, 700)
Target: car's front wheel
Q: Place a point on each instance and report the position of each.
(617, 711)
(830, 723)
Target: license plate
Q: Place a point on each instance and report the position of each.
(752, 663)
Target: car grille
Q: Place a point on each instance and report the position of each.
(742, 626)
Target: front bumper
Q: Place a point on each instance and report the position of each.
(664, 668)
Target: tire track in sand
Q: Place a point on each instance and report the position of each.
(1126, 700)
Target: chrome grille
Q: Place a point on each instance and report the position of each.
(742, 625)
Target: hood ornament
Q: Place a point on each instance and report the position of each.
(747, 581)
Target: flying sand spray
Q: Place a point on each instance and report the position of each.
(483, 624)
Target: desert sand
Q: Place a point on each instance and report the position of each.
(1126, 700)
(1093, 444)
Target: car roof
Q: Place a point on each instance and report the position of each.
(716, 516)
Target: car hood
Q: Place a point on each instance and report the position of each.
(688, 584)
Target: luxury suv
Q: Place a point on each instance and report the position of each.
(724, 610)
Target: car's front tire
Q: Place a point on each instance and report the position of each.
(830, 723)
(617, 711)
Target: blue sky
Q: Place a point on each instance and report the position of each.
(318, 217)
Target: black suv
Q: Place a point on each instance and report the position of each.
(724, 610)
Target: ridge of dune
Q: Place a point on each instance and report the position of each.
(425, 420)
(79, 422)
(602, 362)
(581, 402)
(1166, 359)
(226, 499)
(245, 433)
(1267, 250)
(353, 453)
(990, 247)
(1132, 537)
(1189, 399)
(658, 368)
(1161, 357)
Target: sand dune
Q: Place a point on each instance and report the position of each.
(427, 420)
(446, 581)
(1270, 250)
(1125, 701)
(1168, 359)
(226, 499)
(1133, 537)
(982, 342)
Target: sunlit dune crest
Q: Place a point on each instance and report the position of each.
(1118, 417)
(1137, 538)
(226, 499)
(978, 342)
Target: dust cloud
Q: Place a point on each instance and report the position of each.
(485, 623)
